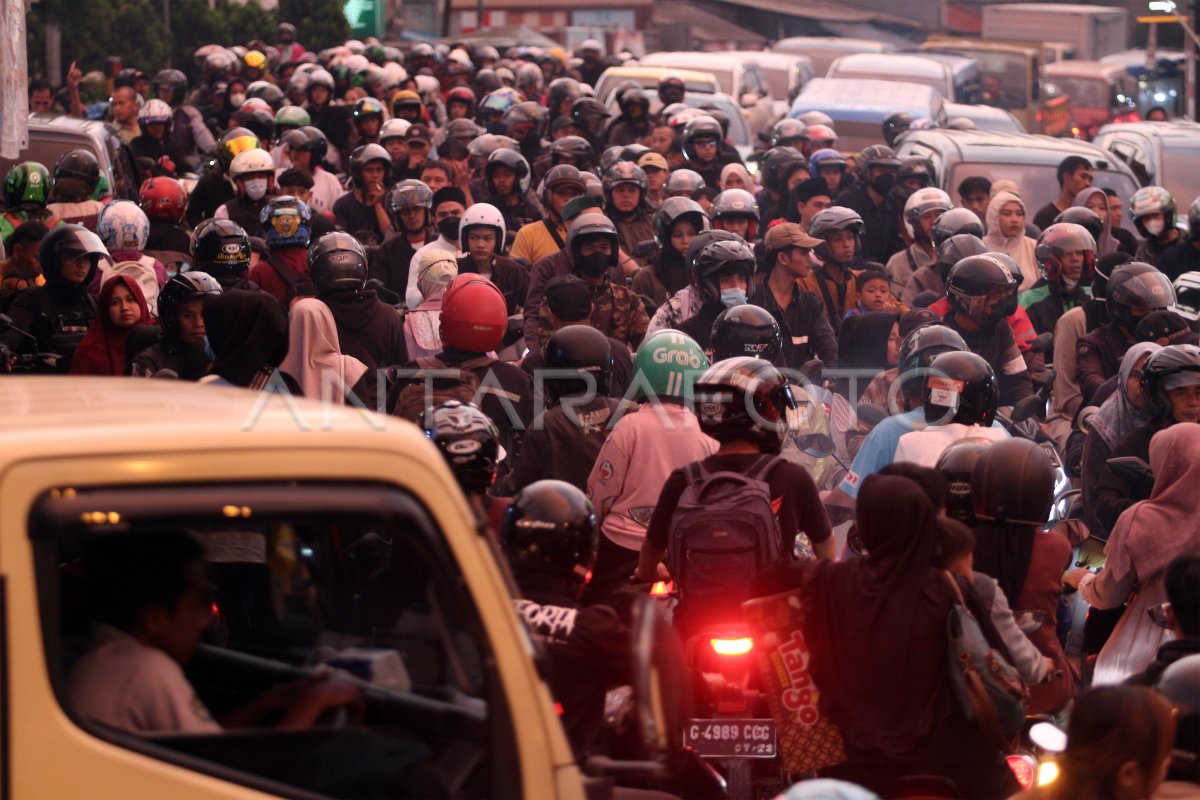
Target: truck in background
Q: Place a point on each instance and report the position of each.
(1092, 31)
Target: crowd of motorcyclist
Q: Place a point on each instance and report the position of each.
(593, 311)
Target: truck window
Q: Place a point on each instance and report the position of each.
(295, 585)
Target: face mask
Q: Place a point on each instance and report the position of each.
(449, 228)
(256, 188)
(593, 265)
(733, 297)
(236, 100)
(1155, 227)
(883, 183)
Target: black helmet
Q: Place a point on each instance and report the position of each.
(877, 155)
(590, 114)
(365, 154)
(79, 166)
(979, 282)
(746, 330)
(514, 161)
(177, 291)
(1082, 215)
(583, 349)
(955, 249)
(561, 176)
(1136, 285)
(721, 257)
(633, 152)
(894, 125)
(587, 225)
(221, 248)
(318, 143)
(778, 164)
(462, 129)
(673, 209)
(954, 222)
(633, 96)
(469, 442)
(1172, 367)
(575, 148)
(526, 113)
(671, 89)
(919, 349)
(960, 387)
(685, 182)
(621, 173)
(788, 132)
(736, 203)
(700, 127)
(609, 157)
(1057, 241)
(409, 193)
(559, 91)
(957, 463)
(171, 79)
(831, 220)
(916, 167)
(1013, 483)
(337, 262)
(745, 399)
(550, 529)
(66, 243)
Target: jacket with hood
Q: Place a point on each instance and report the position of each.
(102, 351)
(1021, 248)
(369, 330)
(56, 314)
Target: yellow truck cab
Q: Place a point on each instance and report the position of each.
(332, 539)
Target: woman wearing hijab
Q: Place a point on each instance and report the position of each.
(120, 308)
(1144, 541)
(314, 360)
(422, 325)
(735, 176)
(248, 334)
(677, 222)
(868, 342)
(876, 627)
(1095, 200)
(1006, 215)
(1012, 488)
(1125, 410)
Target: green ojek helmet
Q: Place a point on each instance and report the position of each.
(27, 183)
(667, 365)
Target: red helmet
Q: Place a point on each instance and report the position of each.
(163, 198)
(474, 314)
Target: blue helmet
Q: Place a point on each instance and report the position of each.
(286, 221)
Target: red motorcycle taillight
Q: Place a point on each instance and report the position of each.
(732, 647)
(1024, 767)
(661, 588)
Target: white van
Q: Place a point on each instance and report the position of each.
(896, 67)
(824, 50)
(739, 77)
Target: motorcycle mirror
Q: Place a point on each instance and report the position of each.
(660, 685)
(870, 413)
(817, 445)
(1048, 737)
(1132, 469)
(1031, 406)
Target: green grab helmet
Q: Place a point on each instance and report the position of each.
(667, 365)
(102, 191)
(27, 183)
(292, 116)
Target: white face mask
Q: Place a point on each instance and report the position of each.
(256, 188)
(1155, 227)
(236, 100)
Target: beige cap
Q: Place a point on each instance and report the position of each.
(788, 234)
(652, 160)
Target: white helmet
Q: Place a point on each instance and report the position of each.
(428, 85)
(1187, 296)
(481, 214)
(154, 111)
(921, 202)
(395, 128)
(249, 162)
(122, 225)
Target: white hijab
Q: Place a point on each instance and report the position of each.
(1021, 248)
(314, 358)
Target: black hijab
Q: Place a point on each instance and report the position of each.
(863, 343)
(876, 625)
(248, 332)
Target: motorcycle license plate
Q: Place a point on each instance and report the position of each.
(733, 738)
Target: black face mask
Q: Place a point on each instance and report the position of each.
(449, 228)
(883, 182)
(594, 265)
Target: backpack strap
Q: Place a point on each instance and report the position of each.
(285, 273)
(958, 595)
(550, 226)
(762, 467)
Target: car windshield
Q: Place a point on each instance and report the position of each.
(1085, 92)
(1038, 182)
(46, 150)
(1006, 72)
(738, 130)
(1180, 165)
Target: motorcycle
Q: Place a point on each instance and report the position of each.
(11, 362)
(1033, 762)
